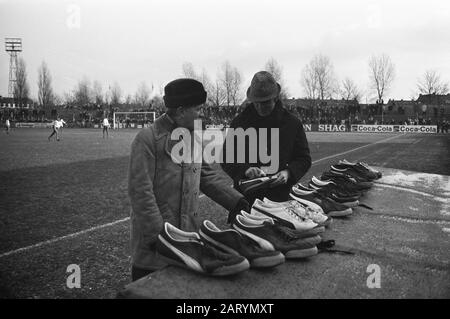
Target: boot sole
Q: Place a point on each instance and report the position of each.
(340, 213)
(310, 233)
(301, 253)
(267, 262)
(221, 271)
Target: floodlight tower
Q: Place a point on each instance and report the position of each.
(13, 46)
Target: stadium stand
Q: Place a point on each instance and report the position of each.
(426, 110)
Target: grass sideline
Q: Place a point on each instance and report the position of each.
(57, 188)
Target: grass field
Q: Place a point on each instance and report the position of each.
(66, 202)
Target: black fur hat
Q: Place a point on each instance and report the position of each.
(184, 92)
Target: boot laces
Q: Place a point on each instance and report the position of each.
(292, 213)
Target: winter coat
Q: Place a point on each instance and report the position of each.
(161, 190)
(293, 148)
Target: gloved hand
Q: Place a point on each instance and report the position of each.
(242, 204)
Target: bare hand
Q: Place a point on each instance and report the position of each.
(254, 172)
(281, 178)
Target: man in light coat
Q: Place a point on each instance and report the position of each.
(161, 189)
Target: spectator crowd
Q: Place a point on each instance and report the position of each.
(223, 115)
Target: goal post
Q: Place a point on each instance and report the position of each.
(138, 117)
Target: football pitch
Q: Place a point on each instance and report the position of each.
(66, 202)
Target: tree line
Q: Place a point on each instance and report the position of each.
(318, 81)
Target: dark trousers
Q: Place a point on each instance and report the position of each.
(105, 129)
(55, 131)
(137, 273)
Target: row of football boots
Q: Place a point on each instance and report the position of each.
(361, 169)
(288, 227)
(356, 178)
(292, 214)
(188, 250)
(338, 190)
(293, 227)
(271, 233)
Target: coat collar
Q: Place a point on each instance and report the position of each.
(164, 125)
(275, 119)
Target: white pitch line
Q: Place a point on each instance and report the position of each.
(416, 221)
(406, 189)
(51, 241)
(356, 149)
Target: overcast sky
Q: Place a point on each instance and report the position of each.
(131, 41)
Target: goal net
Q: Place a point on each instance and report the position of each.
(133, 119)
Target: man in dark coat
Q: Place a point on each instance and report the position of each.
(265, 110)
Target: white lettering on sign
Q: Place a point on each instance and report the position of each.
(418, 129)
(375, 128)
(331, 128)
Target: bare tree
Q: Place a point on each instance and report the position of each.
(158, 103)
(21, 88)
(116, 94)
(324, 74)
(225, 90)
(128, 99)
(68, 99)
(349, 90)
(226, 79)
(276, 70)
(97, 92)
(189, 71)
(209, 87)
(309, 83)
(45, 91)
(58, 100)
(83, 93)
(142, 96)
(318, 78)
(431, 83)
(218, 93)
(382, 73)
(230, 80)
(236, 87)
